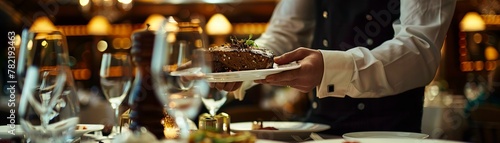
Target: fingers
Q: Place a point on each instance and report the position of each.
(227, 86)
(294, 55)
(191, 77)
(285, 76)
(278, 83)
(224, 86)
(237, 85)
(240, 97)
(294, 84)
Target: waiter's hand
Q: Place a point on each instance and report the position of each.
(306, 77)
(227, 86)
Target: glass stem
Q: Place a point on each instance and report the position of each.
(117, 118)
(212, 112)
(183, 125)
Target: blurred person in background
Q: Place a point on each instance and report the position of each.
(482, 126)
(366, 62)
(490, 97)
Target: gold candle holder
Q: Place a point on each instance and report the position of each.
(223, 122)
(124, 119)
(218, 123)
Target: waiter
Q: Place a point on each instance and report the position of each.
(366, 61)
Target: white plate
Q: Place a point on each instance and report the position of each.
(384, 134)
(247, 75)
(384, 140)
(18, 131)
(285, 129)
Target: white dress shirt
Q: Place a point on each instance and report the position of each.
(407, 61)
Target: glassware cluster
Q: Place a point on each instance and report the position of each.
(49, 106)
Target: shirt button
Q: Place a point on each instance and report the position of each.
(369, 17)
(361, 106)
(325, 14)
(369, 41)
(314, 105)
(325, 43)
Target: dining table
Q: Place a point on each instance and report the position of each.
(89, 116)
(91, 138)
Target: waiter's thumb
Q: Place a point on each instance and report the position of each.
(295, 55)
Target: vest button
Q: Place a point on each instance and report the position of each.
(369, 41)
(314, 105)
(325, 43)
(369, 17)
(325, 14)
(361, 106)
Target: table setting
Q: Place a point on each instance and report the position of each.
(49, 107)
(167, 77)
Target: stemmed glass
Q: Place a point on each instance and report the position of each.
(49, 104)
(116, 80)
(179, 62)
(214, 100)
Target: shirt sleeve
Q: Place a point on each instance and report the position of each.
(407, 61)
(291, 26)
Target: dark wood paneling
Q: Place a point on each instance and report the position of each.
(69, 13)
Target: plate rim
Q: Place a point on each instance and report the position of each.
(289, 66)
(428, 140)
(349, 135)
(323, 127)
(276, 68)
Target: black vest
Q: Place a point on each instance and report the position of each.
(344, 24)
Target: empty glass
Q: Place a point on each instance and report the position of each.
(177, 68)
(214, 100)
(49, 104)
(116, 80)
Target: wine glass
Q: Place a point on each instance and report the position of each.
(33, 50)
(49, 105)
(179, 62)
(214, 100)
(116, 79)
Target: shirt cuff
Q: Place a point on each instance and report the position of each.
(337, 75)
